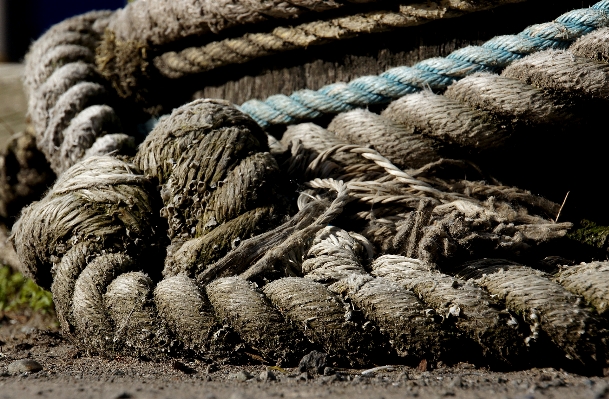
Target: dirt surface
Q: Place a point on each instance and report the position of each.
(69, 373)
(13, 104)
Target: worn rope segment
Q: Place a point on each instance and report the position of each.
(176, 64)
(435, 73)
(326, 320)
(347, 160)
(399, 143)
(588, 280)
(68, 101)
(474, 312)
(467, 219)
(135, 32)
(97, 222)
(218, 184)
(159, 21)
(545, 305)
(336, 258)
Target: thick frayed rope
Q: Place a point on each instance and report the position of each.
(452, 217)
(310, 287)
(544, 304)
(474, 312)
(255, 45)
(134, 33)
(159, 22)
(590, 280)
(307, 286)
(69, 103)
(434, 73)
(399, 143)
(218, 184)
(337, 257)
(100, 199)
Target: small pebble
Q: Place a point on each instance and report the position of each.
(267, 375)
(24, 366)
(457, 382)
(314, 361)
(328, 379)
(243, 376)
(328, 371)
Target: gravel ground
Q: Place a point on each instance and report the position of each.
(69, 373)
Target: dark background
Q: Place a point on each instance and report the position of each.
(26, 20)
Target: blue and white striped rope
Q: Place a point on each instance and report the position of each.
(434, 73)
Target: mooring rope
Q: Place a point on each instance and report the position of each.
(158, 22)
(546, 305)
(69, 103)
(435, 73)
(174, 64)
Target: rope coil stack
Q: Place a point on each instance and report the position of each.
(198, 244)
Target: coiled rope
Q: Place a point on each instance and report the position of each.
(92, 229)
(67, 98)
(435, 73)
(242, 278)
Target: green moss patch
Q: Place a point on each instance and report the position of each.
(590, 233)
(18, 293)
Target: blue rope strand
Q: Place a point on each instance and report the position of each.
(434, 73)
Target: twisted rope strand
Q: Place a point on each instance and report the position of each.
(390, 168)
(435, 73)
(255, 45)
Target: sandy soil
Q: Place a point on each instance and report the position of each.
(69, 373)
